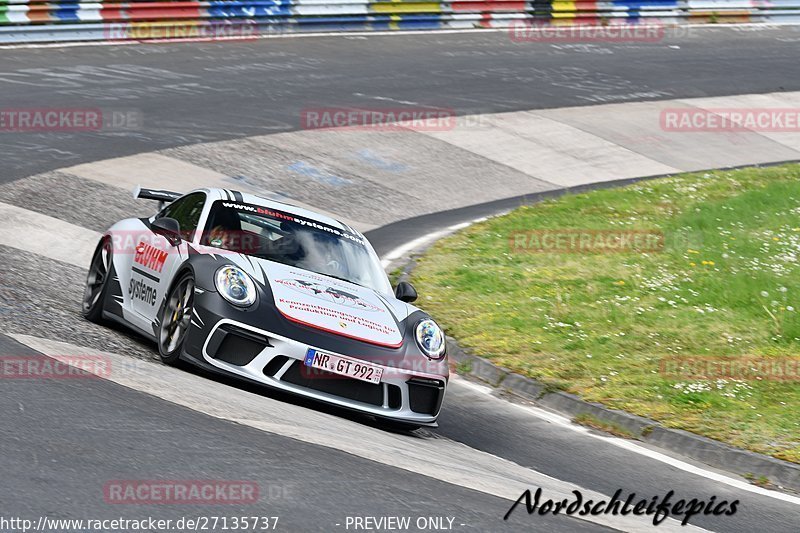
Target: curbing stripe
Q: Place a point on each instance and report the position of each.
(47, 236)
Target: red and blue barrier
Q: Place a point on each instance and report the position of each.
(73, 20)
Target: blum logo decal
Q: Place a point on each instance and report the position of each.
(150, 256)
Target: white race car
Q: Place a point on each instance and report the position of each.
(275, 294)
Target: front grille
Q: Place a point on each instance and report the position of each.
(322, 381)
(395, 400)
(425, 395)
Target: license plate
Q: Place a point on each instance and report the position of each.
(344, 366)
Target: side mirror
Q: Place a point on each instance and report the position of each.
(405, 292)
(169, 228)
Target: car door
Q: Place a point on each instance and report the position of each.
(156, 260)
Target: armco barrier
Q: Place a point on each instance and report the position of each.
(38, 21)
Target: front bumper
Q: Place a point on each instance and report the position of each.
(235, 347)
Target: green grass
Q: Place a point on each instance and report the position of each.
(760, 481)
(599, 325)
(608, 426)
(395, 275)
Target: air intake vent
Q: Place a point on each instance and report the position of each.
(236, 345)
(425, 395)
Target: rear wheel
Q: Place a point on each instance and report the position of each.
(97, 282)
(175, 319)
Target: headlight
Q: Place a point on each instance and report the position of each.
(235, 286)
(430, 339)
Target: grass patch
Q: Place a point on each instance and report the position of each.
(395, 275)
(604, 326)
(464, 367)
(608, 426)
(759, 481)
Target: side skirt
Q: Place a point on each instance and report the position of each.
(119, 320)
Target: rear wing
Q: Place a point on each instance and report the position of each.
(156, 194)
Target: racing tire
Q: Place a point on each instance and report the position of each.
(94, 293)
(174, 320)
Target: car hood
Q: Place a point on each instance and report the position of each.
(327, 303)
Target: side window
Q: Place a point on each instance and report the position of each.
(187, 212)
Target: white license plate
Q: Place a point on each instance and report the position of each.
(344, 366)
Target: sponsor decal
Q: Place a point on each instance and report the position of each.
(259, 210)
(150, 256)
(329, 294)
(140, 290)
(340, 308)
(322, 311)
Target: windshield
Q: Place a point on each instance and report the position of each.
(293, 240)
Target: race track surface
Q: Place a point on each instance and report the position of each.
(201, 92)
(315, 465)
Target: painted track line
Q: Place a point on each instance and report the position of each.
(46, 236)
(420, 243)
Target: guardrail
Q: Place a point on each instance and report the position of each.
(29, 21)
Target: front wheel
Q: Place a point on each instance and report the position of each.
(97, 282)
(175, 319)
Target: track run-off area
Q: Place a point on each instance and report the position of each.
(533, 117)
